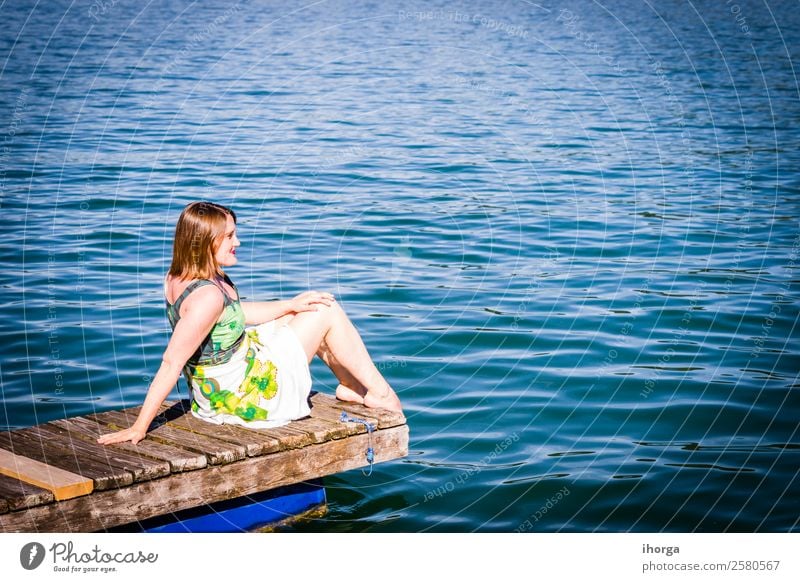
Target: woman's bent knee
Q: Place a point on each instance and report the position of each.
(330, 311)
(323, 316)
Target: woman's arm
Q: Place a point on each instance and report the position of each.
(257, 312)
(203, 309)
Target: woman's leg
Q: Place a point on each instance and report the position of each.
(349, 389)
(331, 326)
(283, 319)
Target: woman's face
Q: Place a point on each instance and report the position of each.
(226, 253)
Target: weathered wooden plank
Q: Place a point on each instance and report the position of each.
(16, 494)
(178, 459)
(105, 509)
(385, 418)
(290, 438)
(256, 441)
(329, 402)
(167, 410)
(262, 441)
(332, 415)
(320, 429)
(88, 461)
(127, 416)
(142, 468)
(29, 443)
(218, 452)
(63, 484)
(253, 442)
(293, 427)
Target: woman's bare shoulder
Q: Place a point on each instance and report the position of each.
(173, 287)
(207, 295)
(203, 306)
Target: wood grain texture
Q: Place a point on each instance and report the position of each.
(141, 467)
(178, 459)
(63, 484)
(383, 418)
(254, 443)
(324, 410)
(161, 431)
(33, 444)
(188, 461)
(105, 509)
(16, 494)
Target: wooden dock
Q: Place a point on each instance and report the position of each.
(54, 477)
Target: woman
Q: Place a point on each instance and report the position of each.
(256, 376)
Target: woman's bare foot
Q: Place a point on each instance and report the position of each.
(389, 401)
(347, 394)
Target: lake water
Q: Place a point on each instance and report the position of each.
(568, 234)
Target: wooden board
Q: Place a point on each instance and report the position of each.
(290, 438)
(33, 444)
(105, 509)
(16, 494)
(320, 429)
(63, 484)
(384, 418)
(217, 452)
(178, 459)
(189, 461)
(253, 443)
(141, 467)
(322, 425)
(331, 414)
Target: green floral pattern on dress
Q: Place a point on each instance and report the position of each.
(260, 377)
(260, 381)
(229, 328)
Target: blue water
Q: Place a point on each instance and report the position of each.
(567, 232)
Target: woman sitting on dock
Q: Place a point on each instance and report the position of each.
(256, 376)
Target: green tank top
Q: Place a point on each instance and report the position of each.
(227, 334)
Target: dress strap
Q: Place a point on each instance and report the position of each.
(233, 285)
(176, 307)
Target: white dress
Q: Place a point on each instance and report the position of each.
(254, 376)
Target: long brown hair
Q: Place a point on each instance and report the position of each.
(197, 237)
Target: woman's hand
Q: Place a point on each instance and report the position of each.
(132, 434)
(309, 300)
